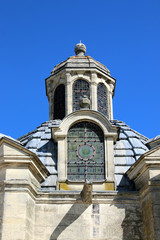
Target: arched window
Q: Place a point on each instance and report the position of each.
(85, 152)
(59, 102)
(80, 88)
(102, 99)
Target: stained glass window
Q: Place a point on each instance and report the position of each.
(102, 99)
(80, 88)
(85, 152)
(59, 102)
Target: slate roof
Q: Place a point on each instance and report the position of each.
(127, 149)
(39, 141)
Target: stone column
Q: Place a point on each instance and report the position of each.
(68, 94)
(109, 159)
(62, 167)
(51, 117)
(110, 104)
(146, 175)
(150, 200)
(94, 91)
(148, 217)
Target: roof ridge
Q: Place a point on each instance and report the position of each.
(31, 132)
(26, 135)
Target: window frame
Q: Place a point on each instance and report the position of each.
(76, 99)
(56, 109)
(102, 98)
(90, 135)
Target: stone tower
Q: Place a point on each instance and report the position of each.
(79, 80)
(80, 92)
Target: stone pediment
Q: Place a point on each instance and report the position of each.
(14, 155)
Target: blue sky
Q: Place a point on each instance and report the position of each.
(36, 35)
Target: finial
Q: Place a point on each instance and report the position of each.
(80, 49)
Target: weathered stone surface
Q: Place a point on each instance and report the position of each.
(83, 221)
(86, 193)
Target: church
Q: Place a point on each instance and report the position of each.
(80, 175)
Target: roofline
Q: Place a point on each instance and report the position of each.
(20, 147)
(63, 67)
(142, 157)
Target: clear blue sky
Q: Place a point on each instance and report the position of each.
(35, 35)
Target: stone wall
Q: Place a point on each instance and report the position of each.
(110, 218)
(17, 221)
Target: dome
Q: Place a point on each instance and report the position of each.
(127, 149)
(80, 61)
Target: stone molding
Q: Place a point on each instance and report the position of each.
(15, 156)
(147, 169)
(146, 175)
(70, 196)
(85, 115)
(60, 132)
(69, 76)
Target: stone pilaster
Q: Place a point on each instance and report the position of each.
(111, 102)
(68, 94)
(146, 175)
(94, 91)
(50, 107)
(21, 173)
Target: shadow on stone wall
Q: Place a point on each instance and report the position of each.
(132, 224)
(139, 218)
(72, 215)
(126, 184)
(126, 199)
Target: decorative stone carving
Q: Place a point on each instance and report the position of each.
(80, 49)
(86, 193)
(84, 102)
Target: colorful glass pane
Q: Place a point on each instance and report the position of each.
(102, 99)
(85, 148)
(80, 88)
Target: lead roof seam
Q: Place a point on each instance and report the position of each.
(130, 144)
(123, 131)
